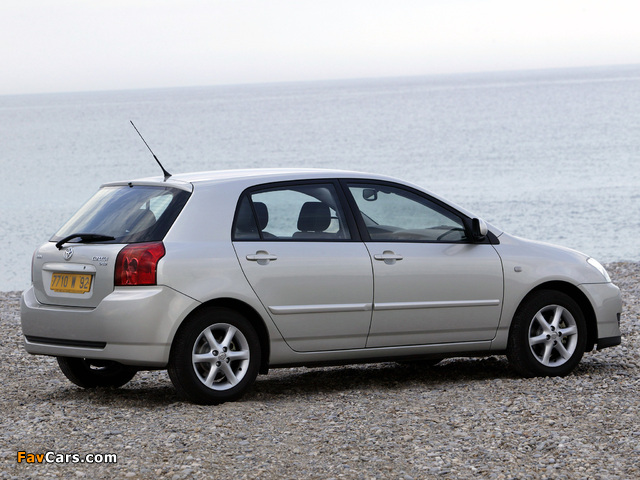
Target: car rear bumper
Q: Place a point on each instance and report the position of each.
(132, 325)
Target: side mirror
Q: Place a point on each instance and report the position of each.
(479, 229)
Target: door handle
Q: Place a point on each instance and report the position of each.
(388, 257)
(261, 257)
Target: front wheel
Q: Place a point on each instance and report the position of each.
(87, 373)
(548, 335)
(215, 358)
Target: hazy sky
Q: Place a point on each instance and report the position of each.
(69, 45)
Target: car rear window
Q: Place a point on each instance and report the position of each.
(130, 214)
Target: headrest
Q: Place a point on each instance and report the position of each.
(263, 214)
(314, 217)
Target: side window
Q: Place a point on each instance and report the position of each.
(393, 214)
(292, 212)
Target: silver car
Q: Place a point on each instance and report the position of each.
(219, 276)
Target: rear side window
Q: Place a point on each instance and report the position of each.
(130, 214)
(306, 212)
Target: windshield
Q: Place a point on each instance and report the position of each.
(129, 214)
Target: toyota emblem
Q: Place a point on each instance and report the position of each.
(68, 253)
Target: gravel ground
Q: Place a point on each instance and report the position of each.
(463, 419)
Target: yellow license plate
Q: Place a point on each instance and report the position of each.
(71, 282)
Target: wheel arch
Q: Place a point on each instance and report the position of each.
(580, 298)
(249, 313)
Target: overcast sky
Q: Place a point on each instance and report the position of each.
(71, 45)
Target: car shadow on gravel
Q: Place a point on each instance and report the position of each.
(155, 390)
(155, 393)
(391, 376)
(379, 377)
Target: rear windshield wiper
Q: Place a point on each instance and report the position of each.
(85, 237)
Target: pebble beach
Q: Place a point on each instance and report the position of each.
(466, 418)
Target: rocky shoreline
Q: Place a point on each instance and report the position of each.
(464, 419)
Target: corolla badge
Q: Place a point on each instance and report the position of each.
(101, 259)
(68, 253)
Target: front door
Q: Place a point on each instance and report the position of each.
(432, 285)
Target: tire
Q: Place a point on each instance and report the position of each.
(548, 335)
(87, 373)
(215, 357)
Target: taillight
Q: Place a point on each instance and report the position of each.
(137, 263)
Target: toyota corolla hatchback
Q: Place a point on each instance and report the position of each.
(219, 276)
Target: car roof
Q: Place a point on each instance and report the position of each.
(248, 176)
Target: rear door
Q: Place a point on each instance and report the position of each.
(299, 252)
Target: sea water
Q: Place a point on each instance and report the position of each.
(550, 155)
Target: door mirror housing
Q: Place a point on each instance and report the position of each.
(479, 229)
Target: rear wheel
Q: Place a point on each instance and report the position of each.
(215, 358)
(548, 335)
(87, 373)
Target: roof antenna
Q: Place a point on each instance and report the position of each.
(166, 174)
